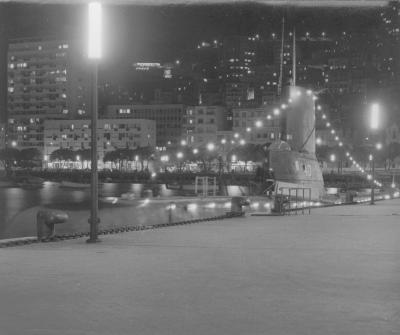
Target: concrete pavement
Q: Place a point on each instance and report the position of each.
(336, 271)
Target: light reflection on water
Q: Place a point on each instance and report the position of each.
(15, 200)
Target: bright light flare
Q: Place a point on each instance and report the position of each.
(95, 31)
(374, 120)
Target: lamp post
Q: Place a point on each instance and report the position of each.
(94, 54)
(374, 123)
(372, 160)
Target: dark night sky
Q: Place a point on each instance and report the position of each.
(162, 32)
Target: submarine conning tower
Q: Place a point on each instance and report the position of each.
(299, 126)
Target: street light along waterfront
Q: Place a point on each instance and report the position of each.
(374, 125)
(94, 53)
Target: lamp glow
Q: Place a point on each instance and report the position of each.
(95, 15)
(374, 121)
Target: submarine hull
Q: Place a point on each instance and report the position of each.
(294, 169)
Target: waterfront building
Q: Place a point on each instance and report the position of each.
(46, 79)
(201, 124)
(168, 119)
(2, 136)
(392, 134)
(112, 134)
(257, 125)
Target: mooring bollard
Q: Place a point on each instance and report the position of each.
(237, 204)
(148, 193)
(45, 221)
(171, 207)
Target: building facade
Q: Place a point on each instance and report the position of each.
(202, 123)
(259, 125)
(46, 79)
(168, 119)
(112, 134)
(2, 136)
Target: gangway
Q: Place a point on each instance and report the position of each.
(205, 186)
(293, 200)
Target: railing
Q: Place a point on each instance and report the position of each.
(294, 200)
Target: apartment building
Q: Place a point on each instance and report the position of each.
(201, 124)
(168, 119)
(46, 79)
(112, 134)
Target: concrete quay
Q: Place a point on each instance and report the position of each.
(336, 271)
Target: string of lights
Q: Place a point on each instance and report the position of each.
(275, 113)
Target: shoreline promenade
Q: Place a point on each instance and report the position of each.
(336, 271)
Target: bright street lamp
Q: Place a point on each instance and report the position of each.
(210, 146)
(95, 27)
(374, 117)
